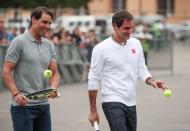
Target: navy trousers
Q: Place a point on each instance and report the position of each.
(120, 117)
(31, 118)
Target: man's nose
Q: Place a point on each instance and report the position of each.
(47, 25)
(130, 30)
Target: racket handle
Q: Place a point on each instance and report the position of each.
(96, 127)
(58, 95)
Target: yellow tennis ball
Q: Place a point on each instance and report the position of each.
(47, 73)
(167, 93)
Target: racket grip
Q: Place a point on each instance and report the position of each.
(96, 127)
(58, 95)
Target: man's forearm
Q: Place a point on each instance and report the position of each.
(92, 100)
(54, 80)
(10, 83)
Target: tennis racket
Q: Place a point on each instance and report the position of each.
(43, 94)
(96, 127)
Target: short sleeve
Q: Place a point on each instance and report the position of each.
(14, 51)
(53, 52)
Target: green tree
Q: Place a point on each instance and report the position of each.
(30, 4)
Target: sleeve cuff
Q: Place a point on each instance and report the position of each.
(92, 85)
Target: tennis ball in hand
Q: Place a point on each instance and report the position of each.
(47, 73)
(167, 93)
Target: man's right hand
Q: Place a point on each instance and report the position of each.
(93, 116)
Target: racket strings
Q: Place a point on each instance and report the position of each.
(44, 95)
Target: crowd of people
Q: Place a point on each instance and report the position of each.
(7, 34)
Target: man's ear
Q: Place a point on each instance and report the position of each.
(33, 19)
(115, 26)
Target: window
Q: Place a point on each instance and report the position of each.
(118, 5)
(15, 20)
(71, 23)
(165, 7)
(79, 23)
(101, 23)
(87, 23)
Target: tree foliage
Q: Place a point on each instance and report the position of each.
(29, 4)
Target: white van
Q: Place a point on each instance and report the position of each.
(85, 23)
(71, 22)
(19, 22)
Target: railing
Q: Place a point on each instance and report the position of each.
(73, 65)
(3, 49)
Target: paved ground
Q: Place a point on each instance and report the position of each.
(155, 112)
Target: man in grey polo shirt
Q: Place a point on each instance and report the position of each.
(27, 57)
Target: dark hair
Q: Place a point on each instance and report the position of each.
(118, 17)
(37, 13)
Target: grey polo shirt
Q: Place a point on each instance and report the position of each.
(31, 59)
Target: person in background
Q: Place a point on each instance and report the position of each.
(28, 56)
(93, 40)
(3, 34)
(21, 30)
(118, 62)
(146, 39)
(12, 34)
(77, 36)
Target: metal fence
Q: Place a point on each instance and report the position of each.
(73, 66)
(160, 56)
(3, 49)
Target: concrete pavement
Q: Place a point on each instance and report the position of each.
(155, 112)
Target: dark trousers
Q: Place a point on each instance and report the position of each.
(120, 117)
(31, 118)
